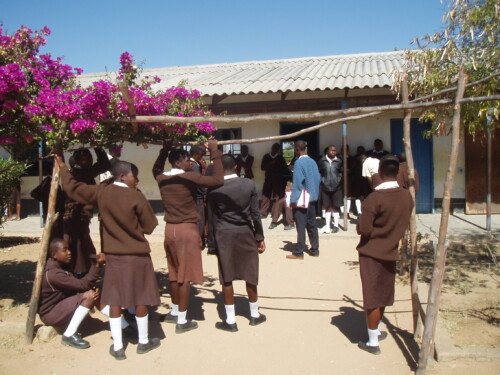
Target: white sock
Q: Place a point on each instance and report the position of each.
(336, 219)
(328, 219)
(372, 337)
(348, 205)
(181, 318)
(230, 314)
(142, 327)
(105, 311)
(254, 309)
(358, 206)
(323, 213)
(79, 314)
(175, 310)
(342, 209)
(115, 325)
(379, 327)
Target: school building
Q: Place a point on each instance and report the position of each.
(317, 84)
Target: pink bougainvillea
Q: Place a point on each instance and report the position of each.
(39, 93)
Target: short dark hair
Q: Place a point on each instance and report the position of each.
(402, 157)
(77, 154)
(378, 140)
(55, 244)
(389, 165)
(195, 150)
(300, 144)
(228, 162)
(121, 167)
(176, 155)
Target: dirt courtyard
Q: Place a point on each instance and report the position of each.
(314, 322)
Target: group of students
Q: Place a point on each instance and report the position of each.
(235, 235)
(126, 216)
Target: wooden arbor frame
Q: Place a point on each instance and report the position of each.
(343, 115)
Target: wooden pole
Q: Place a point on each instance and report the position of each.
(413, 222)
(440, 261)
(42, 258)
(52, 216)
(299, 116)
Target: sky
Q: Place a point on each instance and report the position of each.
(92, 34)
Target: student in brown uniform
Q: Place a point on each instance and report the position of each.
(386, 213)
(64, 299)
(237, 236)
(197, 153)
(182, 240)
(77, 216)
(129, 280)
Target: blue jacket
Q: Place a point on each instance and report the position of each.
(305, 176)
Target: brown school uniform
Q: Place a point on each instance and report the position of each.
(126, 215)
(386, 214)
(234, 229)
(77, 216)
(403, 177)
(182, 239)
(62, 293)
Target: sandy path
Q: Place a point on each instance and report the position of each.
(314, 323)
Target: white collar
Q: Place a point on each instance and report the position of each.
(274, 156)
(230, 176)
(173, 172)
(387, 185)
(244, 158)
(331, 160)
(303, 156)
(118, 183)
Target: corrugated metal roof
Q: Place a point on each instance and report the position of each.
(367, 70)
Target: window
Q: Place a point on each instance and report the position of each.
(227, 135)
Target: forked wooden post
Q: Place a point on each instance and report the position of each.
(440, 261)
(52, 216)
(415, 304)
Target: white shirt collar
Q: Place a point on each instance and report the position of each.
(230, 176)
(244, 158)
(303, 156)
(118, 183)
(387, 185)
(173, 172)
(274, 156)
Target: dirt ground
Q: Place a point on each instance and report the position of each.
(314, 316)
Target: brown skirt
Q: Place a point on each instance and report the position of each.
(129, 281)
(62, 313)
(182, 246)
(237, 255)
(377, 279)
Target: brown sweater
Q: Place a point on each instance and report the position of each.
(403, 177)
(58, 284)
(125, 212)
(385, 216)
(178, 192)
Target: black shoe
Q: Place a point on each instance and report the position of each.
(289, 227)
(335, 229)
(130, 333)
(188, 326)
(118, 354)
(168, 318)
(153, 343)
(75, 341)
(256, 321)
(225, 326)
(273, 225)
(370, 349)
(314, 254)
